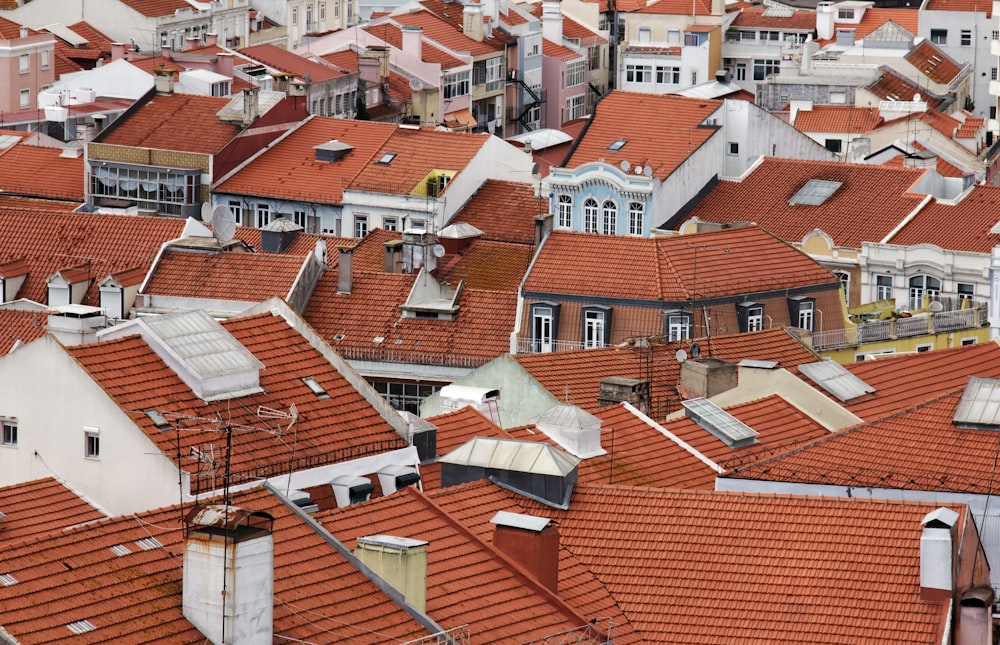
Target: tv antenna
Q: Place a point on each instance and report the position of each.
(292, 416)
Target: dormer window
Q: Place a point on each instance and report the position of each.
(386, 158)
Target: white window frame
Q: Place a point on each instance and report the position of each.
(576, 107)
(883, 291)
(24, 63)
(918, 292)
(965, 38)
(806, 315)
(845, 285)
(25, 98)
(43, 59)
(576, 73)
(755, 318)
(236, 207)
(542, 329)
(564, 209)
(678, 326)
(636, 218)
(390, 224)
(299, 216)
(262, 215)
(91, 442)
(360, 226)
(609, 217)
(594, 322)
(590, 214)
(8, 437)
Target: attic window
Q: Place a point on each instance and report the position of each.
(339, 337)
(120, 550)
(618, 144)
(815, 192)
(81, 627)
(158, 419)
(148, 544)
(387, 158)
(7, 580)
(724, 426)
(980, 404)
(836, 379)
(316, 388)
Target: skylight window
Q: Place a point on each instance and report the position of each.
(81, 627)
(7, 580)
(158, 419)
(618, 144)
(815, 192)
(120, 550)
(316, 388)
(148, 544)
(980, 404)
(386, 158)
(724, 426)
(836, 379)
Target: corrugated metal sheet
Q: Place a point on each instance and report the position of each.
(508, 454)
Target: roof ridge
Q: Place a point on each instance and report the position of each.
(520, 571)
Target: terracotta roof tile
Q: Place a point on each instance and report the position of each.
(241, 277)
(848, 216)
(465, 569)
(944, 167)
(552, 50)
(891, 86)
(967, 6)
(289, 169)
(488, 265)
(504, 211)
(934, 63)
(677, 8)
(347, 60)
(621, 115)
(965, 226)
(695, 543)
(453, 15)
(572, 29)
(838, 118)
(10, 30)
(392, 34)
(183, 122)
(755, 17)
(943, 123)
(50, 243)
(290, 63)
(328, 429)
(157, 8)
(417, 153)
(23, 165)
(448, 35)
(669, 269)
(15, 203)
(575, 376)
(24, 326)
(136, 598)
(874, 18)
(301, 246)
(41, 506)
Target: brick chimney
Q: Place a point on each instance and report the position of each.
(532, 542)
(401, 562)
(708, 376)
(393, 256)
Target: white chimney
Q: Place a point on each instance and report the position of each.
(825, 14)
(228, 589)
(472, 21)
(76, 324)
(936, 554)
(552, 21)
(402, 562)
(413, 41)
(573, 428)
(344, 270)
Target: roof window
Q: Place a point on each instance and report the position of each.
(724, 426)
(7, 580)
(158, 419)
(618, 144)
(980, 404)
(836, 380)
(815, 192)
(386, 158)
(81, 627)
(316, 388)
(120, 550)
(148, 544)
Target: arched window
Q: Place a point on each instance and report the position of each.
(565, 211)
(845, 284)
(590, 216)
(923, 289)
(636, 217)
(610, 217)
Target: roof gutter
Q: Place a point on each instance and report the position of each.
(906, 220)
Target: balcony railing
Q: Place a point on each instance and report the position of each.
(531, 346)
(883, 330)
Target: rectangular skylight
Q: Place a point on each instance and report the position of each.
(81, 627)
(158, 419)
(618, 144)
(316, 388)
(835, 379)
(724, 426)
(386, 158)
(815, 192)
(7, 580)
(148, 544)
(120, 550)
(980, 404)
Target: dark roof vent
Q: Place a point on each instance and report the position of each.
(332, 150)
(278, 235)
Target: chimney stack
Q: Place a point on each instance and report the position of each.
(191, 42)
(552, 21)
(224, 65)
(236, 607)
(472, 21)
(543, 226)
(708, 376)
(23, 32)
(345, 269)
(413, 41)
(117, 51)
(251, 107)
(937, 555)
(532, 542)
(401, 562)
(211, 38)
(167, 52)
(393, 256)
(163, 80)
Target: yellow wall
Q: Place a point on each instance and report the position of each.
(943, 340)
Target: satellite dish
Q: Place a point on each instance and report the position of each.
(206, 213)
(935, 307)
(695, 350)
(681, 356)
(416, 84)
(223, 224)
(638, 170)
(916, 97)
(648, 171)
(625, 165)
(438, 251)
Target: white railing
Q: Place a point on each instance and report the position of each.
(531, 346)
(882, 330)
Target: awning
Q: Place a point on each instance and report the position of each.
(460, 119)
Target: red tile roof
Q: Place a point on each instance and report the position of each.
(392, 34)
(10, 30)
(934, 63)
(418, 152)
(874, 18)
(328, 430)
(677, 8)
(575, 377)
(479, 332)
(291, 63)
(136, 598)
(838, 118)
(347, 60)
(944, 167)
(965, 226)
(891, 86)
(571, 29)
(755, 17)
(670, 269)
(157, 8)
(469, 581)
(971, 127)
(452, 14)
(302, 245)
(440, 31)
(241, 277)
(72, 59)
(552, 50)
(493, 266)
(848, 216)
(17, 325)
(61, 240)
(622, 115)
(690, 545)
(182, 122)
(943, 123)
(34, 171)
(289, 169)
(968, 6)
(15, 203)
(504, 211)
(41, 506)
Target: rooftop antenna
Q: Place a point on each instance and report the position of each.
(292, 416)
